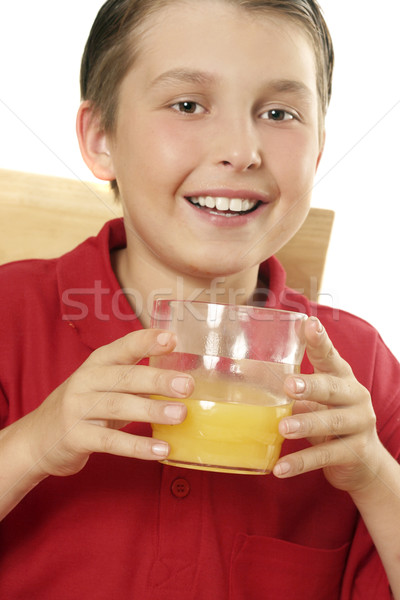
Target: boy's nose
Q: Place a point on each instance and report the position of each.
(238, 146)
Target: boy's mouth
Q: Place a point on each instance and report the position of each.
(221, 205)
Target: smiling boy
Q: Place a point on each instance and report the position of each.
(209, 119)
(223, 121)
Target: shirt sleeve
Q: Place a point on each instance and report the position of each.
(365, 576)
(385, 395)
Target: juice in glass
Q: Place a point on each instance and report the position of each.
(231, 424)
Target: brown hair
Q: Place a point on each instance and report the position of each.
(110, 50)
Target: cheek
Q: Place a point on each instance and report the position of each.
(168, 148)
(293, 160)
(153, 153)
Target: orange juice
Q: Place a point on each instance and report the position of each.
(235, 437)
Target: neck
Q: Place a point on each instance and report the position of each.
(143, 283)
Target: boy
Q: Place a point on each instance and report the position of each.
(208, 117)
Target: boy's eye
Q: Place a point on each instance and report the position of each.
(278, 114)
(188, 107)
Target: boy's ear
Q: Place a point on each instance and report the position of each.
(321, 150)
(93, 142)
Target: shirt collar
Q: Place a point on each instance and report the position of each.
(93, 303)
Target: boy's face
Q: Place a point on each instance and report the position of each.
(219, 104)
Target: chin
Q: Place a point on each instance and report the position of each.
(216, 267)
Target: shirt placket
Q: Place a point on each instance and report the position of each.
(179, 532)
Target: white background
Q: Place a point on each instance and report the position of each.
(41, 44)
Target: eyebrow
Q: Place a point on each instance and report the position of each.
(176, 76)
(290, 86)
(184, 76)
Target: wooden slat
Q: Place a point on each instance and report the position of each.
(305, 255)
(43, 217)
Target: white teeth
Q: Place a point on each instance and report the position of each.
(210, 202)
(224, 204)
(236, 205)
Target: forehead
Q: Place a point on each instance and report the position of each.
(217, 37)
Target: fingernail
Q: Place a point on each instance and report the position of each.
(180, 385)
(160, 449)
(317, 325)
(296, 385)
(290, 425)
(281, 468)
(174, 412)
(164, 338)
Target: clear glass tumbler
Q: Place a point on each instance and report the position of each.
(239, 357)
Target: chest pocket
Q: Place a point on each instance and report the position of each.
(268, 568)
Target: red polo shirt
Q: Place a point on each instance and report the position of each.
(124, 528)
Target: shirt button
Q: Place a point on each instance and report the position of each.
(180, 488)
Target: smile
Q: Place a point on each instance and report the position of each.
(229, 207)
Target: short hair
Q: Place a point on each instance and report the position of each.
(112, 47)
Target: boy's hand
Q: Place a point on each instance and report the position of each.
(83, 414)
(334, 412)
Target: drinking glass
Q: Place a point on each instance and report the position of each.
(239, 357)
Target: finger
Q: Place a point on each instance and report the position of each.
(321, 352)
(332, 453)
(126, 408)
(327, 423)
(327, 390)
(322, 388)
(120, 443)
(139, 379)
(305, 406)
(134, 347)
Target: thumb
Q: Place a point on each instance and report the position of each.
(321, 353)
